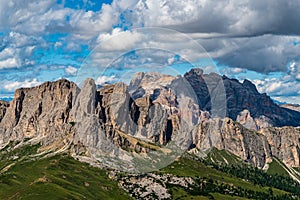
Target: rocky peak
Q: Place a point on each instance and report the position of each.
(39, 111)
(194, 71)
(240, 97)
(150, 81)
(246, 120)
(197, 82)
(250, 85)
(85, 103)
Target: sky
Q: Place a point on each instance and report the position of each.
(44, 40)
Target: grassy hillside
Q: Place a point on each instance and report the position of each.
(225, 176)
(192, 168)
(57, 177)
(24, 174)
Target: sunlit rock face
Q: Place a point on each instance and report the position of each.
(284, 143)
(41, 111)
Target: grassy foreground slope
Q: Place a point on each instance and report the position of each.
(24, 174)
(57, 177)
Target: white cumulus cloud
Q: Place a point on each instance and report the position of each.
(13, 85)
(102, 80)
(71, 71)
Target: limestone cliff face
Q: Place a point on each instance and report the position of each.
(109, 122)
(42, 111)
(257, 148)
(233, 137)
(284, 143)
(94, 133)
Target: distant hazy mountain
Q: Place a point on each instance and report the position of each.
(295, 107)
(6, 98)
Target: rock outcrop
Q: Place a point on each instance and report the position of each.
(247, 120)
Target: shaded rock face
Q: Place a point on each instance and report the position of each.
(240, 97)
(3, 106)
(209, 90)
(42, 111)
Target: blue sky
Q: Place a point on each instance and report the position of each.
(83, 5)
(44, 40)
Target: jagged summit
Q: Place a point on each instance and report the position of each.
(240, 97)
(248, 84)
(195, 71)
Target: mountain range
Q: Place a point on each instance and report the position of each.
(151, 122)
